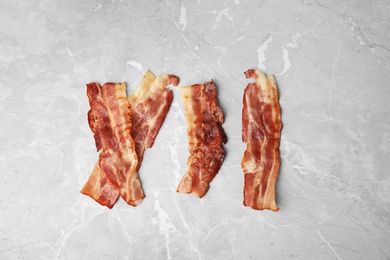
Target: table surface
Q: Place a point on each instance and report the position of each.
(331, 61)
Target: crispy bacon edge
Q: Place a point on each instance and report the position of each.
(261, 130)
(205, 137)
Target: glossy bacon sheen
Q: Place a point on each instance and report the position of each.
(110, 121)
(205, 137)
(261, 127)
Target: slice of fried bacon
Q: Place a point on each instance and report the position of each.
(261, 127)
(205, 137)
(110, 121)
(150, 104)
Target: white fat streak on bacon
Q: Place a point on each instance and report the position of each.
(193, 122)
(143, 91)
(268, 141)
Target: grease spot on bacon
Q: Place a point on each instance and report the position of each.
(261, 127)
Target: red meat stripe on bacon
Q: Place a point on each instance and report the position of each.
(205, 137)
(261, 127)
(150, 103)
(110, 121)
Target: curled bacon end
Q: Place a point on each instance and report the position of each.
(173, 80)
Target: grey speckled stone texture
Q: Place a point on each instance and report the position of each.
(331, 60)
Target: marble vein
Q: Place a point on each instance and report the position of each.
(261, 53)
(332, 77)
(329, 245)
(165, 226)
(183, 16)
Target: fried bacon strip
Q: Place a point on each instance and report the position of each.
(261, 127)
(110, 121)
(150, 103)
(205, 137)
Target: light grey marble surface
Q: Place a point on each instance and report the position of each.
(331, 60)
